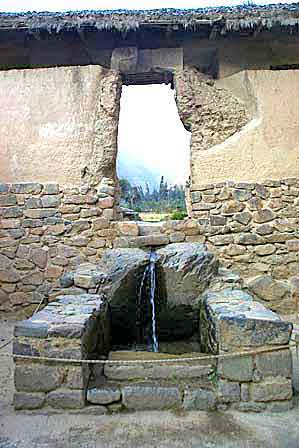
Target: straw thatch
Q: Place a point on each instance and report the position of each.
(225, 18)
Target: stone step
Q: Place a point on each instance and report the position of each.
(156, 371)
(149, 228)
(155, 239)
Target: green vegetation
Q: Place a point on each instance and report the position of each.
(178, 215)
(160, 200)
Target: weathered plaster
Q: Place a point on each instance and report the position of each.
(267, 147)
(54, 121)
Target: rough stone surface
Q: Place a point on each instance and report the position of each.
(103, 395)
(236, 369)
(267, 288)
(239, 321)
(66, 399)
(274, 364)
(117, 276)
(37, 378)
(187, 269)
(272, 389)
(151, 397)
(156, 371)
(199, 399)
(228, 392)
(28, 401)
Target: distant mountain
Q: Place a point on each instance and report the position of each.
(137, 174)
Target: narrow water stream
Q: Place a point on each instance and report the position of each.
(148, 279)
(152, 267)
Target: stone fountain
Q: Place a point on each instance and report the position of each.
(136, 306)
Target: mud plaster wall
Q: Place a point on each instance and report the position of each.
(55, 122)
(267, 147)
(211, 112)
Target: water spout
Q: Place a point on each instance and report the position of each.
(153, 258)
(139, 335)
(148, 279)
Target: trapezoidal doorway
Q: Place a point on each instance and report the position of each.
(153, 161)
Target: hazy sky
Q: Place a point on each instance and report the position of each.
(151, 133)
(60, 5)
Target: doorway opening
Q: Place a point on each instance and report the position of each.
(153, 161)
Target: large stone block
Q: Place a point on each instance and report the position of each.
(156, 371)
(199, 400)
(28, 401)
(187, 269)
(267, 288)
(272, 389)
(274, 364)
(234, 321)
(228, 392)
(37, 378)
(236, 369)
(66, 399)
(151, 397)
(104, 395)
(51, 201)
(26, 188)
(7, 200)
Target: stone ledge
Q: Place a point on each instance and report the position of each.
(66, 317)
(239, 323)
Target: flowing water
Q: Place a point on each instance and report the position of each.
(150, 275)
(153, 258)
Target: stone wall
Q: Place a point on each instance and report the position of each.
(230, 322)
(72, 328)
(254, 229)
(46, 230)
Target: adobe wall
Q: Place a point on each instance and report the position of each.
(266, 148)
(48, 121)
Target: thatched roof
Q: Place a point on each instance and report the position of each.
(224, 18)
